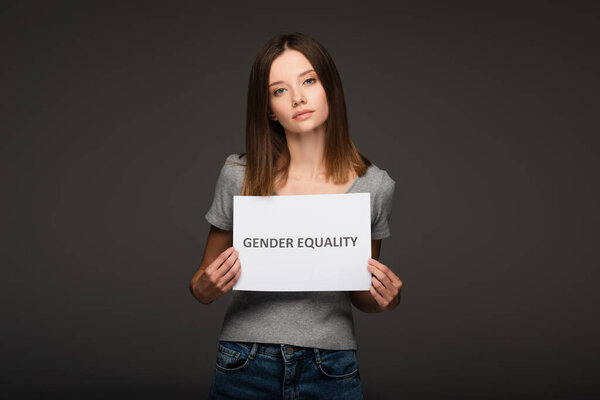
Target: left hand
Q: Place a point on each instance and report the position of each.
(385, 285)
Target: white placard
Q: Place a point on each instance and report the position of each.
(303, 242)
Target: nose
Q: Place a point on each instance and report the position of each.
(298, 98)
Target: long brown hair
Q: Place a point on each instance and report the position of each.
(265, 139)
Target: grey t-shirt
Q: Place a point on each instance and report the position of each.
(309, 319)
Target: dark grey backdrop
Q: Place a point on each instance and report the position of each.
(117, 116)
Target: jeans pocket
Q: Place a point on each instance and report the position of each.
(338, 364)
(232, 356)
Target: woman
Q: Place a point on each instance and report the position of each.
(277, 345)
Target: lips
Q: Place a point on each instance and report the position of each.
(298, 113)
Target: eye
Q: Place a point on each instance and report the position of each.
(276, 92)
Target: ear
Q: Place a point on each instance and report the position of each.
(272, 116)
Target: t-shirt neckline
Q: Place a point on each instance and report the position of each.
(347, 191)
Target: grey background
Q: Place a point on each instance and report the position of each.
(117, 116)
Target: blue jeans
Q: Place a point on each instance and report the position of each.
(248, 371)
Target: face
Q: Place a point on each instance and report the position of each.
(294, 86)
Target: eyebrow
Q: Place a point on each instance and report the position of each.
(304, 73)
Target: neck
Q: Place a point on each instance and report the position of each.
(306, 154)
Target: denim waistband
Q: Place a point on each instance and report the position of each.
(286, 351)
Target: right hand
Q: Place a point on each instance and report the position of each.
(219, 277)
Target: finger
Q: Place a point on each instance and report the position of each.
(233, 281)
(391, 288)
(219, 260)
(378, 264)
(382, 276)
(382, 267)
(225, 266)
(378, 298)
(224, 280)
(383, 291)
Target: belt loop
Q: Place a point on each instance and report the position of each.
(253, 351)
(317, 356)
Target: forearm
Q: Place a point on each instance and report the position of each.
(195, 290)
(195, 286)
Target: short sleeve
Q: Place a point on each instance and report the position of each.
(220, 213)
(382, 207)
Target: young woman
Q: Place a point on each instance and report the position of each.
(291, 345)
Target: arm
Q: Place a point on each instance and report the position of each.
(363, 299)
(217, 244)
(387, 283)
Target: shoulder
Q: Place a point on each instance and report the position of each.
(238, 159)
(376, 179)
(235, 163)
(381, 185)
(231, 177)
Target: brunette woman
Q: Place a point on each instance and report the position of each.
(293, 345)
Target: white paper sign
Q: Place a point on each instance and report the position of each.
(303, 242)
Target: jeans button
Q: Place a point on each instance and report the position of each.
(290, 350)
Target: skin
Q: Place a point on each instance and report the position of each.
(293, 90)
(305, 138)
(219, 269)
